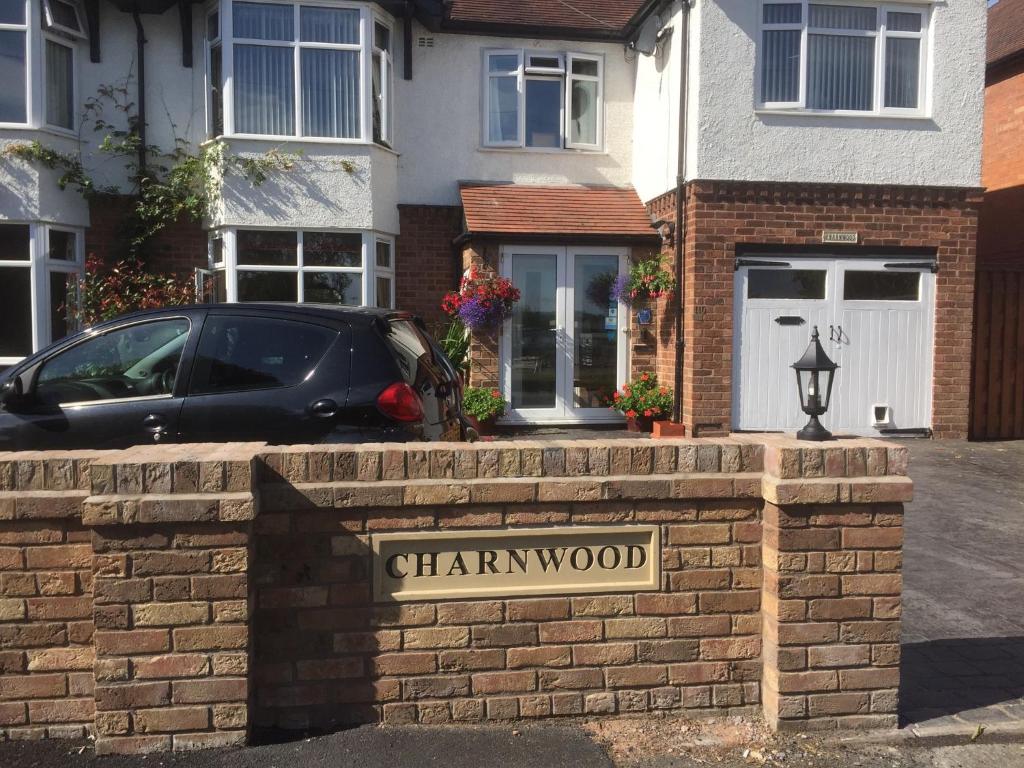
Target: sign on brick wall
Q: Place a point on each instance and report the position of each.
(431, 565)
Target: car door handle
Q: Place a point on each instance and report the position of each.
(156, 425)
(324, 409)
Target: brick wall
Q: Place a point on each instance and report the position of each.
(179, 248)
(722, 216)
(46, 627)
(229, 587)
(426, 261)
(1000, 239)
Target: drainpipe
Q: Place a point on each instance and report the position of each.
(140, 46)
(680, 233)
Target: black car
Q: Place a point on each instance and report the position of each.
(280, 373)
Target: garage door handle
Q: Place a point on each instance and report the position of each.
(790, 320)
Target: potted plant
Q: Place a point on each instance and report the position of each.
(642, 402)
(482, 302)
(646, 280)
(482, 407)
(455, 344)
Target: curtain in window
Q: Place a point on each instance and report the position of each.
(840, 72)
(329, 25)
(583, 124)
(60, 105)
(12, 64)
(780, 65)
(263, 21)
(503, 107)
(902, 67)
(264, 90)
(330, 93)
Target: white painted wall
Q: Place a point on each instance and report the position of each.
(737, 143)
(29, 192)
(439, 116)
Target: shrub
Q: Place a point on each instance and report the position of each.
(483, 404)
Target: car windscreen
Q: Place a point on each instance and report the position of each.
(239, 353)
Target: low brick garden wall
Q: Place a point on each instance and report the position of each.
(212, 590)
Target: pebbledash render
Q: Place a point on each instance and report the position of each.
(542, 141)
(184, 597)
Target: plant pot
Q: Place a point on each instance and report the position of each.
(643, 424)
(483, 428)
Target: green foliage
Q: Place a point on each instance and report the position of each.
(643, 397)
(455, 344)
(72, 173)
(483, 404)
(126, 286)
(648, 279)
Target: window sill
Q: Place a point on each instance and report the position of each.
(46, 129)
(542, 151)
(301, 140)
(920, 116)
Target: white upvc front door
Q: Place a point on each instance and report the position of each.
(563, 351)
(875, 317)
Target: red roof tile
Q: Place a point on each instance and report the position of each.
(550, 210)
(594, 15)
(1005, 30)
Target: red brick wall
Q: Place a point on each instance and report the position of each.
(179, 248)
(723, 215)
(1000, 236)
(426, 261)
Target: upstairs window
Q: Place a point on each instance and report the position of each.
(537, 99)
(14, 96)
(834, 58)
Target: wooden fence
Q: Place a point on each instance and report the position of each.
(997, 398)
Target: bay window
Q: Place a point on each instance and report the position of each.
(15, 95)
(346, 268)
(543, 100)
(835, 58)
(40, 269)
(302, 70)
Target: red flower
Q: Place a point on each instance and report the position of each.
(648, 413)
(495, 393)
(631, 414)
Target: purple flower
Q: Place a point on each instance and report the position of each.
(620, 289)
(477, 313)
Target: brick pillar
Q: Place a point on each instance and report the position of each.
(484, 355)
(171, 537)
(832, 555)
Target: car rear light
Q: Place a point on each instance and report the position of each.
(401, 403)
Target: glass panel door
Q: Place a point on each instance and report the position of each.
(563, 350)
(534, 357)
(595, 333)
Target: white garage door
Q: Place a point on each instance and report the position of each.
(875, 317)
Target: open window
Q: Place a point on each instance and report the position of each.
(64, 16)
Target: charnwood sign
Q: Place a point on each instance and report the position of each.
(457, 565)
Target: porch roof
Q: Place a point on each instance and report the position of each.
(559, 211)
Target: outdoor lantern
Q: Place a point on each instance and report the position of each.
(815, 393)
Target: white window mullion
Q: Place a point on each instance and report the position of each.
(37, 283)
(231, 265)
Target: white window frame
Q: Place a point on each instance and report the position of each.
(364, 47)
(31, 53)
(230, 265)
(388, 272)
(210, 44)
(40, 266)
(526, 71)
(60, 40)
(55, 27)
(387, 84)
(880, 34)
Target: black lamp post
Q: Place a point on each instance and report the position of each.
(809, 371)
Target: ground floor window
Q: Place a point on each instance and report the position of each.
(323, 267)
(40, 269)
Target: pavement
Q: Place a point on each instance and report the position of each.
(963, 669)
(963, 592)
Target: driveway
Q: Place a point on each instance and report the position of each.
(963, 596)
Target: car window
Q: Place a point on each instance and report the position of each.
(243, 353)
(139, 360)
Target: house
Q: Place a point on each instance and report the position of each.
(806, 164)
(998, 386)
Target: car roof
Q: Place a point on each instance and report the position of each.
(353, 315)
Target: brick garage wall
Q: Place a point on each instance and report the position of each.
(1000, 239)
(722, 216)
(426, 261)
(229, 587)
(179, 248)
(46, 626)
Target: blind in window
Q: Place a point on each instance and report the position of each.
(330, 93)
(60, 104)
(264, 90)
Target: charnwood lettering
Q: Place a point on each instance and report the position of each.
(436, 565)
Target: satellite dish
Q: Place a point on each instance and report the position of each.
(647, 38)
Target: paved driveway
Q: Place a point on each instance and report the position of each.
(963, 609)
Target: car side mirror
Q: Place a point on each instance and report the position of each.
(14, 393)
